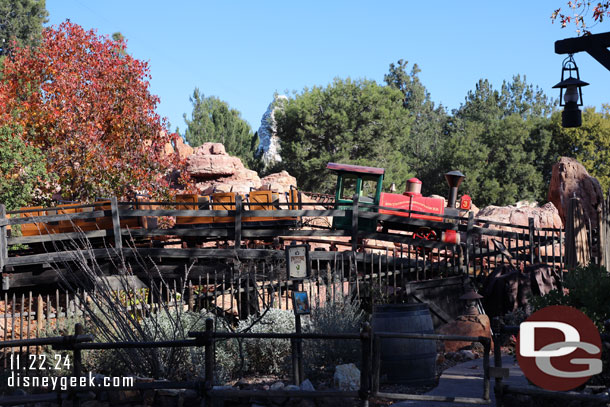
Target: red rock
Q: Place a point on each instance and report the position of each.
(545, 216)
(570, 178)
(183, 150)
(467, 325)
(279, 182)
(205, 164)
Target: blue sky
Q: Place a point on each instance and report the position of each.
(244, 51)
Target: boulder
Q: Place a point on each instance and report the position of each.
(545, 216)
(346, 377)
(278, 182)
(467, 325)
(571, 179)
(183, 150)
(306, 385)
(210, 161)
(215, 171)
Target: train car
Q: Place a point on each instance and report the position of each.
(74, 225)
(225, 201)
(367, 183)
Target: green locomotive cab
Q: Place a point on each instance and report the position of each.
(366, 182)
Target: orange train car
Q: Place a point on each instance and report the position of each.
(259, 200)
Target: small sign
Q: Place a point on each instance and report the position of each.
(297, 261)
(300, 302)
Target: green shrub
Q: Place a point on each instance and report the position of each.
(339, 316)
(268, 356)
(586, 288)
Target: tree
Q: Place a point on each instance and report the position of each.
(353, 122)
(501, 140)
(21, 23)
(423, 149)
(87, 107)
(22, 170)
(213, 120)
(584, 14)
(589, 144)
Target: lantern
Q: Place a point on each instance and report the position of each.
(570, 93)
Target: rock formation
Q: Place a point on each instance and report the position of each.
(571, 179)
(269, 145)
(465, 325)
(279, 182)
(545, 216)
(215, 171)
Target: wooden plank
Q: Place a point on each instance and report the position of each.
(238, 214)
(201, 253)
(116, 223)
(3, 239)
(57, 237)
(56, 218)
(469, 245)
(252, 213)
(288, 232)
(355, 223)
(57, 257)
(171, 212)
(200, 231)
(531, 238)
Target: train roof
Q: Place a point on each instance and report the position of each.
(355, 168)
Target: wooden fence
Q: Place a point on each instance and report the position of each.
(374, 267)
(370, 345)
(526, 244)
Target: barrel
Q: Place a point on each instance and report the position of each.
(406, 361)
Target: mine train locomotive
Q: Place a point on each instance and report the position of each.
(367, 184)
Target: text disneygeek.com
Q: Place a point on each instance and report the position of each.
(67, 382)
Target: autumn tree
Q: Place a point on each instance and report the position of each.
(583, 14)
(212, 120)
(21, 23)
(86, 105)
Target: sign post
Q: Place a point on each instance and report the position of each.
(298, 267)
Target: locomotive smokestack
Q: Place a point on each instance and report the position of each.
(454, 179)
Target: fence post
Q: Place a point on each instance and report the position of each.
(365, 374)
(355, 224)
(116, 224)
(78, 330)
(209, 360)
(497, 339)
(604, 232)
(238, 213)
(3, 239)
(531, 239)
(469, 244)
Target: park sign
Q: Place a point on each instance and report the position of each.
(297, 261)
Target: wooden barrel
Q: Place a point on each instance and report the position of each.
(406, 361)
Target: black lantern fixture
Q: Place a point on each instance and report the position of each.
(471, 299)
(570, 93)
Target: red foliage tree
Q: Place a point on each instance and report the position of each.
(584, 14)
(86, 103)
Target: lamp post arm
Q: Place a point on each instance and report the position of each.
(595, 45)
